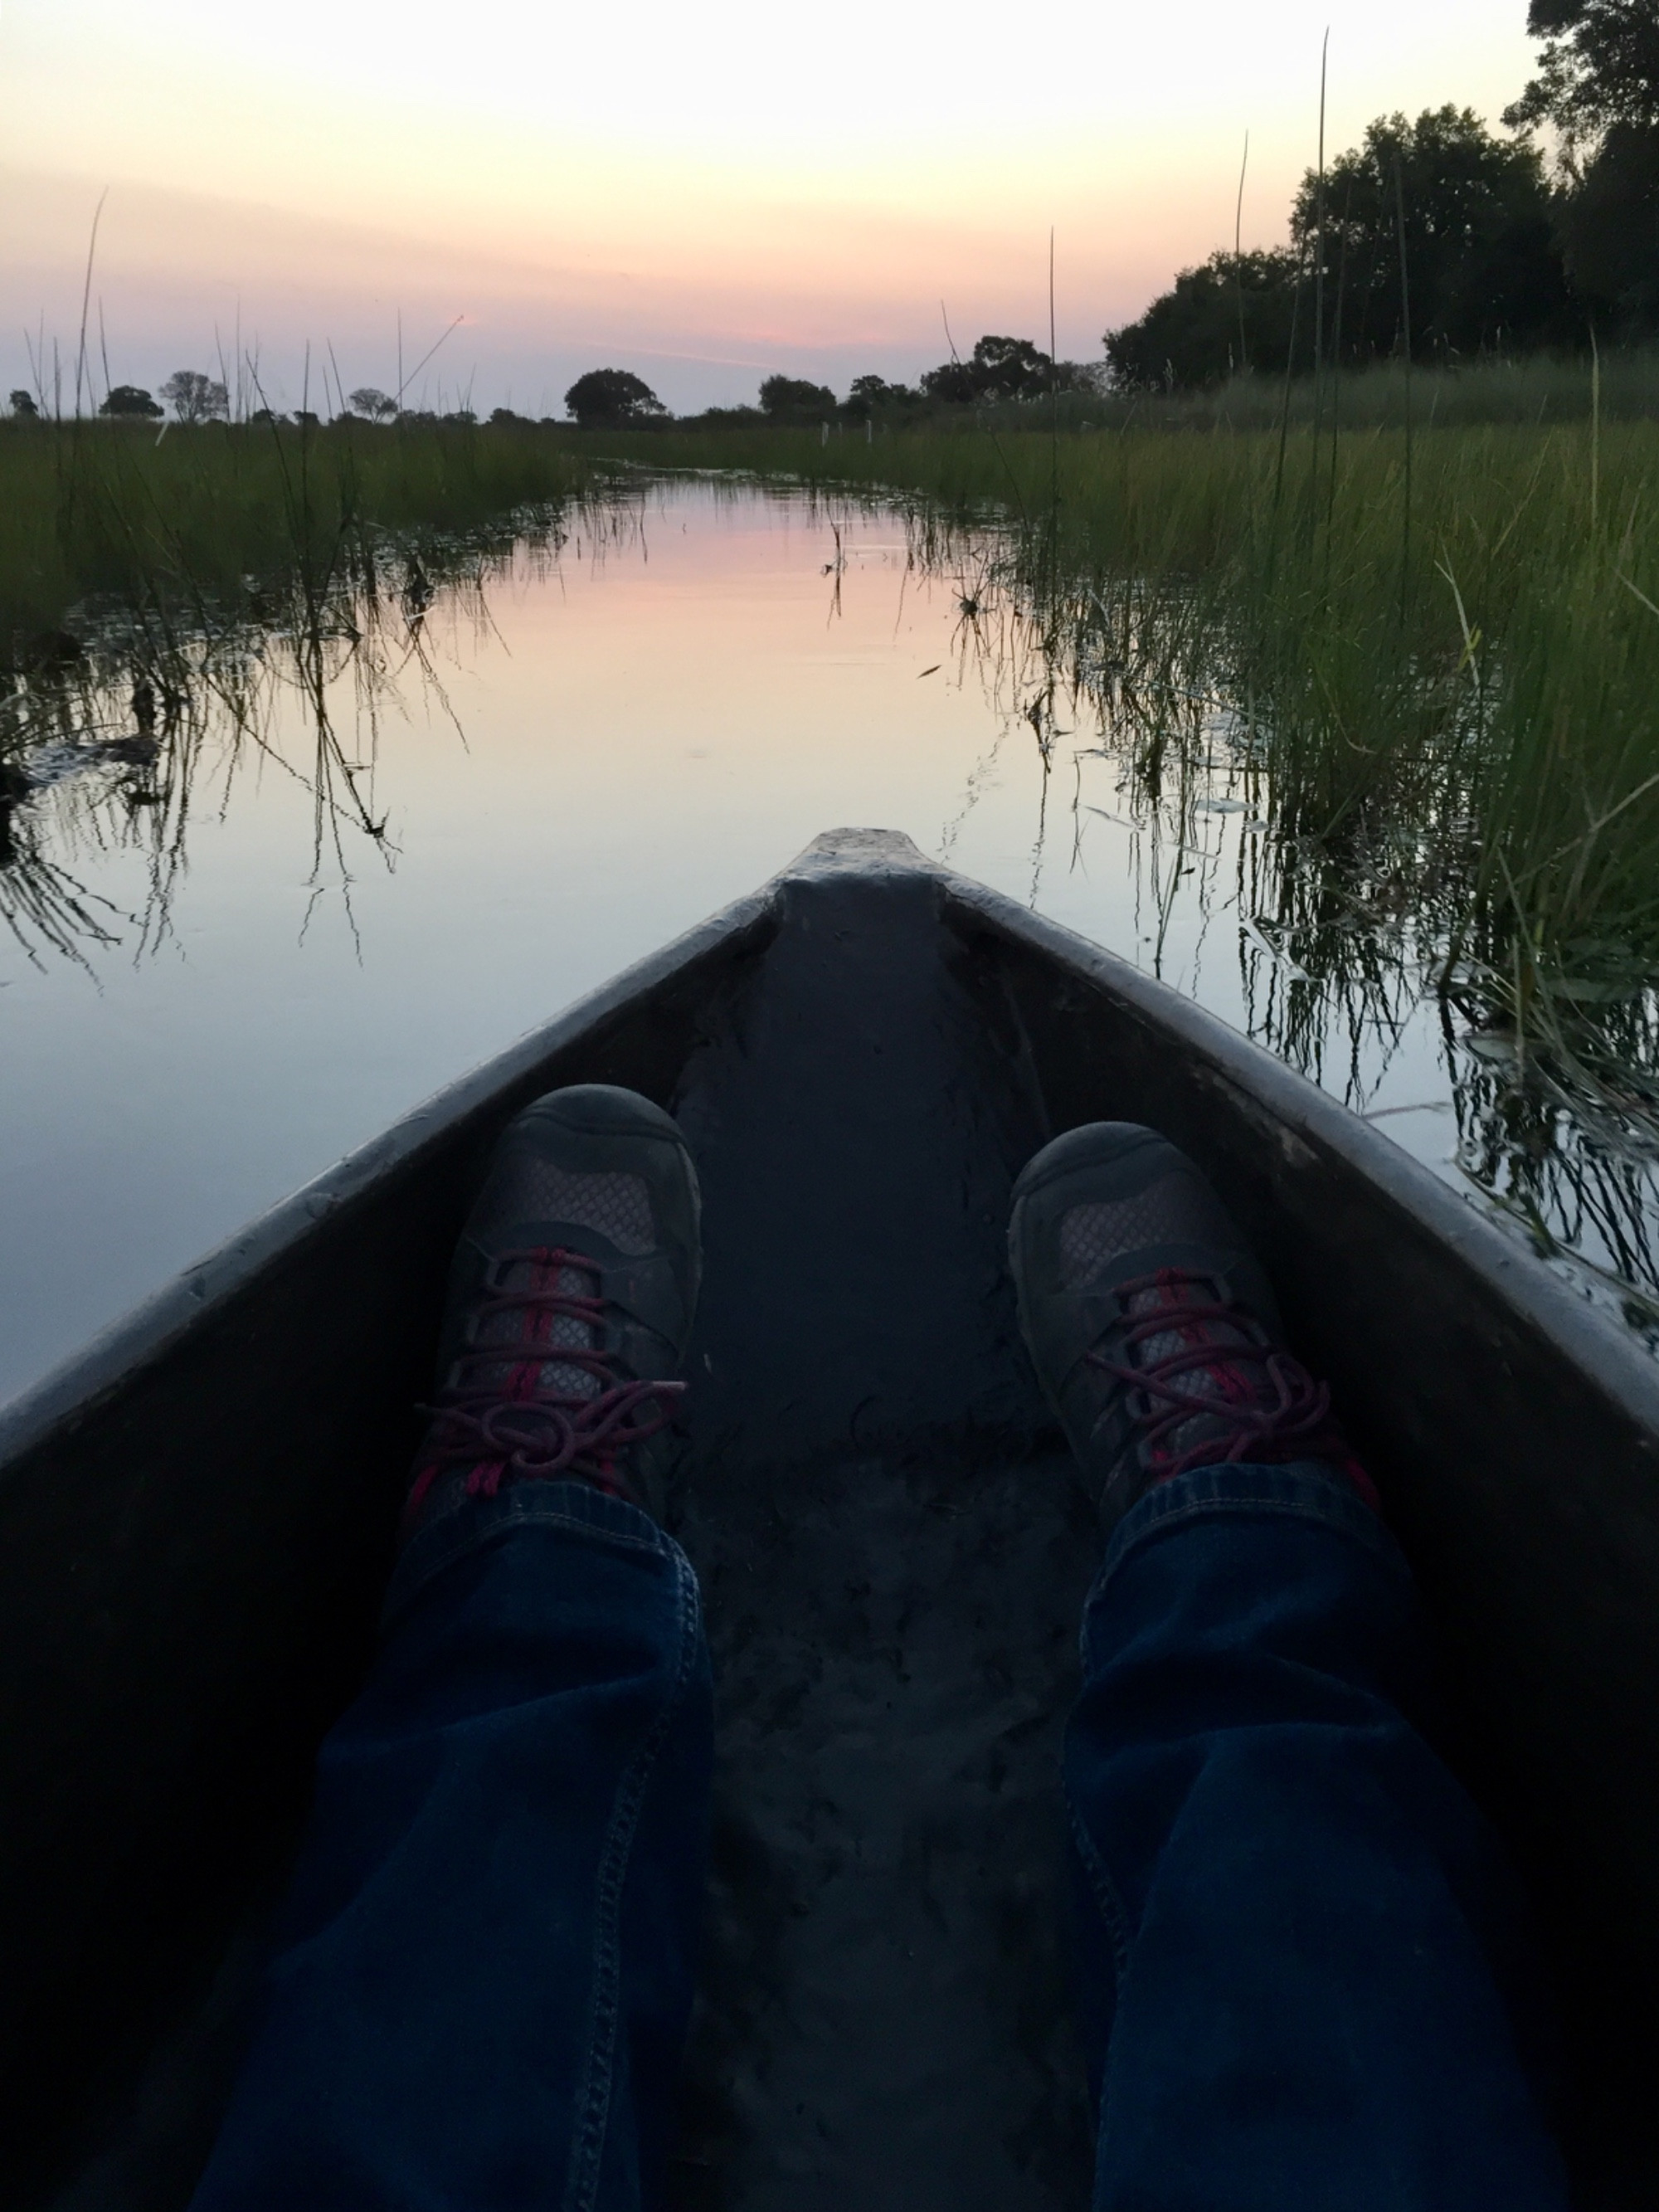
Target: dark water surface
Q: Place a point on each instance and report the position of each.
(229, 963)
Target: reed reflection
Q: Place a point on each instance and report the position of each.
(1133, 720)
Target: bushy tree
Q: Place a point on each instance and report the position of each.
(953, 384)
(873, 395)
(374, 405)
(1598, 84)
(612, 398)
(998, 369)
(1012, 368)
(1482, 263)
(782, 396)
(1234, 312)
(194, 398)
(23, 406)
(1609, 225)
(130, 399)
(1599, 68)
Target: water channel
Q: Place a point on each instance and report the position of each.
(217, 981)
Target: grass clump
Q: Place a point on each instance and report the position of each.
(1442, 647)
(219, 515)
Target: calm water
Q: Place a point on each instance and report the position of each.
(233, 986)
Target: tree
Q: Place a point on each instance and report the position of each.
(23, 406)
(612, 398)
(953, 383)
(130, 399)
(782, 396)
(873, 395)
(1234, 312)
(1484, 265)
(1012, 368)
(1599, 68)
(194, 398)
(368, 400)
(1598, 84)
(998, 369)
(1609, 226)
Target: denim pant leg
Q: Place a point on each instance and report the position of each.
(1307, 1985)
(482, 1981)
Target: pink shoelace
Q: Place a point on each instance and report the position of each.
(1269, 1407)
(502, 1417)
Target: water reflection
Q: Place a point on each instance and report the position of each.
(1345, 944)
(1081, 748)
(115, 745)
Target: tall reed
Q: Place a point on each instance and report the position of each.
(116, 509)
(1507, 709)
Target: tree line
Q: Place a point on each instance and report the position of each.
(1438, 240)
(1434, 239)
(998, 369)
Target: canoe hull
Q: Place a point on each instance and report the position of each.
(195, 1518)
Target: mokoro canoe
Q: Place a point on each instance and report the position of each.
(196, 1517)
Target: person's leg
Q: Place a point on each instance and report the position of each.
(1307, 1982)
(482, 1979)
(484, 1970)
(1303, 1980)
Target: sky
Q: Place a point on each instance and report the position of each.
(704, 194)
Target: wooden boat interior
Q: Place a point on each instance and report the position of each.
(195, 1519)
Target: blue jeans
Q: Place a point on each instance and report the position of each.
(1301, 1984)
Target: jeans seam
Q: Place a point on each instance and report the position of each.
(593, 2102)
(1103, 1890)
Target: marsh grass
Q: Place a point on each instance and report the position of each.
(223, 515)
(1352, 944)
(1478, 701)
(178, 664)
(1425, 668)
(1406, 779)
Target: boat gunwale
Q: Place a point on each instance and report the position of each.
(1513, 1278)
(1524, 1323)
(77, 1386)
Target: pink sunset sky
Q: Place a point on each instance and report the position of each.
(703, 194)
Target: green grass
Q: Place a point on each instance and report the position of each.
(1432, 656)
(1463, 692)
(1428, 661)
(1431, 665)
(1537, 391)
(152, 590)
(214, 515)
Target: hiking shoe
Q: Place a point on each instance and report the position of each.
(570, 1301)
(1153, 1331)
